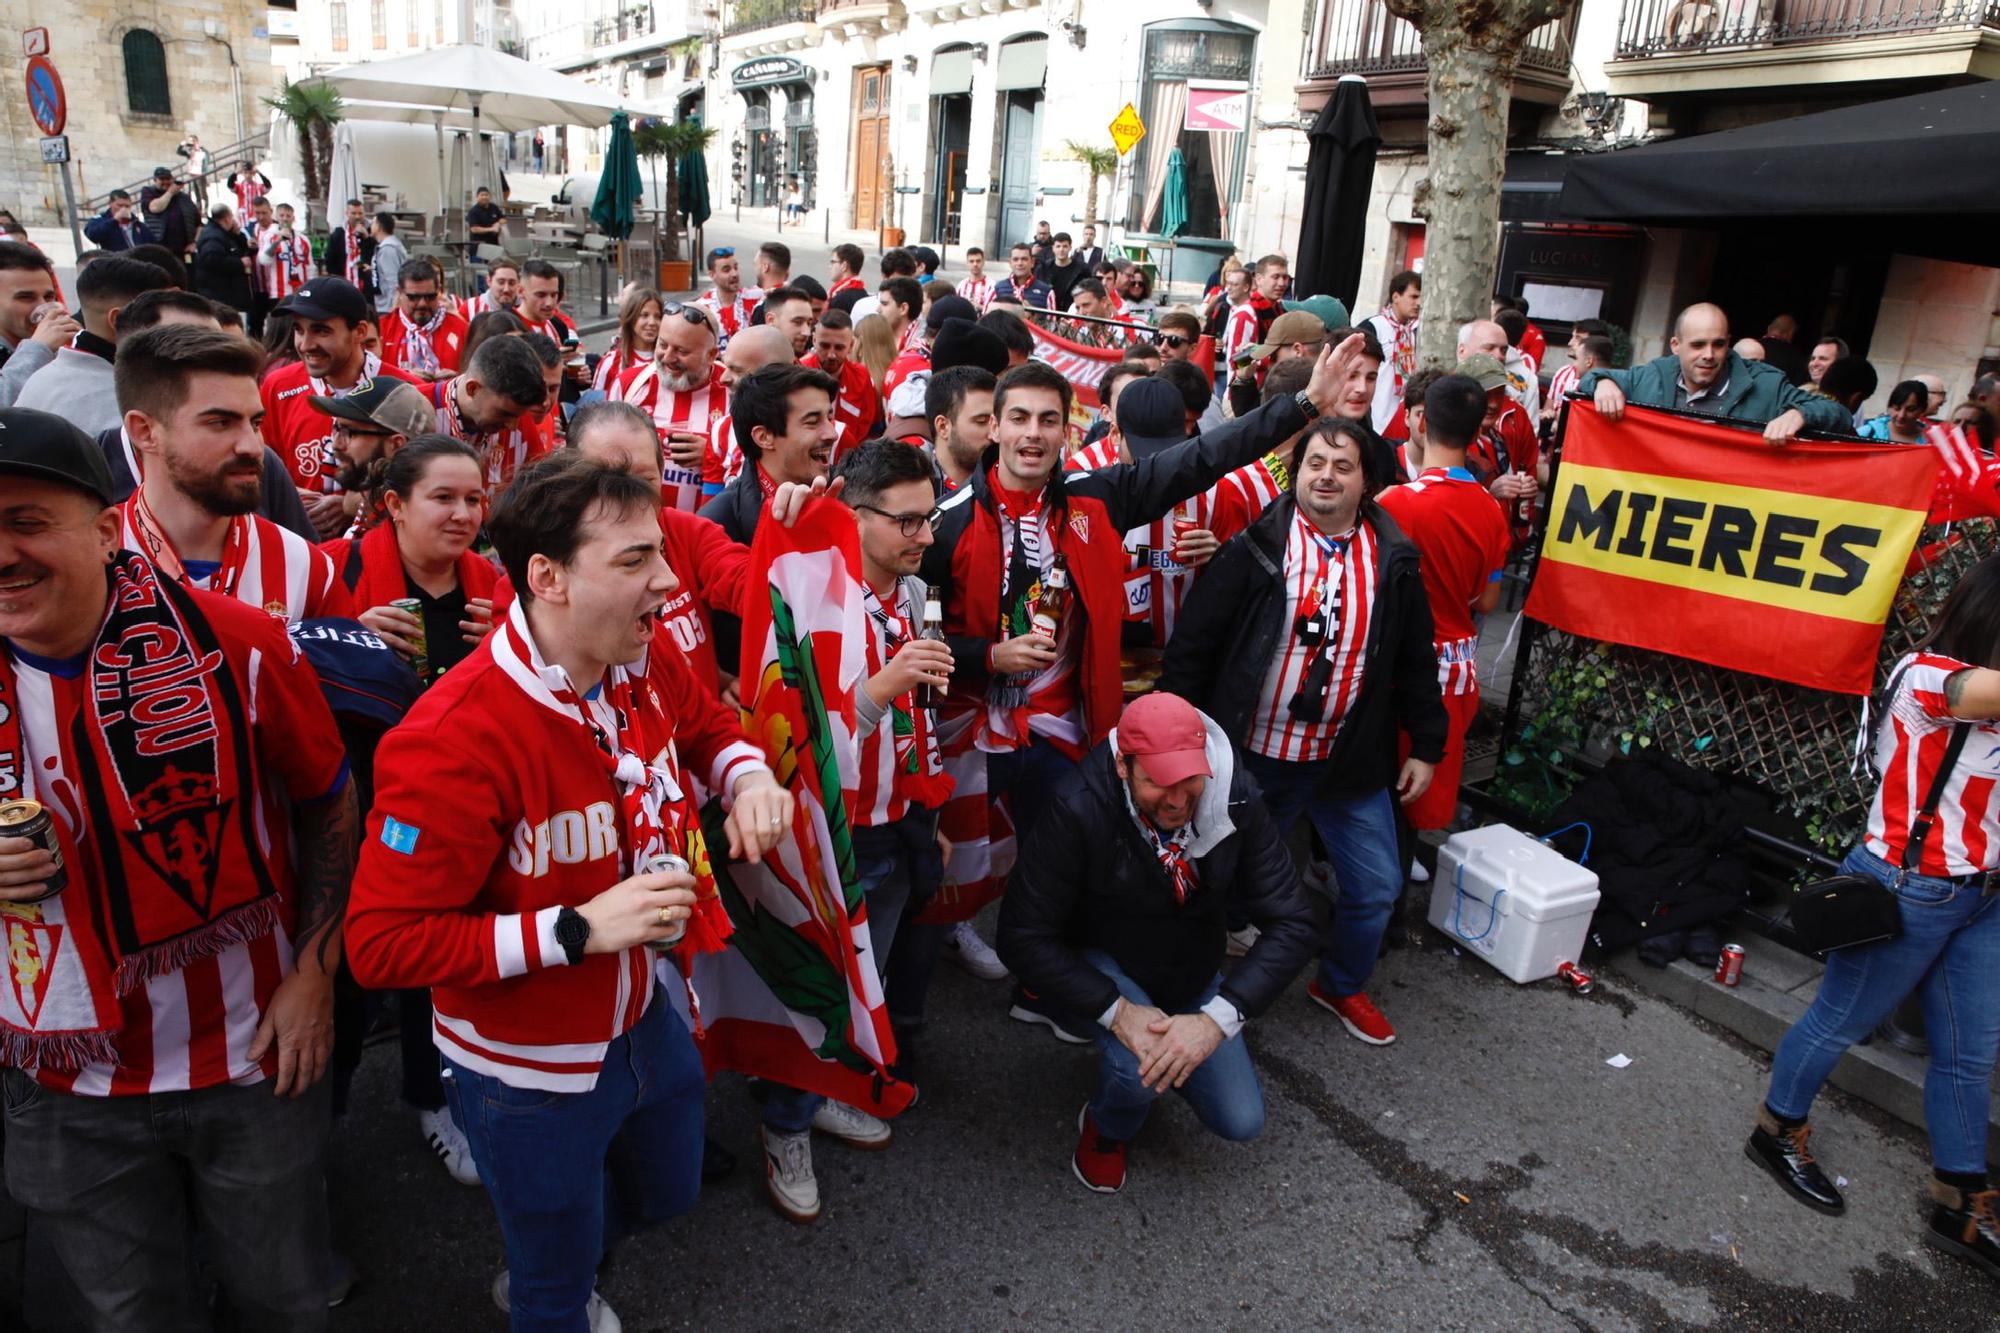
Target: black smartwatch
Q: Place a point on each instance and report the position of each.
(1306, 405)
(572, 932)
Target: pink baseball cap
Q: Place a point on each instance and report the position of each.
(1166, 731)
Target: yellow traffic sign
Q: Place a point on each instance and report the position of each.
(1127, 129)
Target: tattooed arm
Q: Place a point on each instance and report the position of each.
(298, 1021)
(1973, 695)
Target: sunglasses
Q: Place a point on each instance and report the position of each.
(1175, 340)
(907, 524)
(691, 313)
(722, 252)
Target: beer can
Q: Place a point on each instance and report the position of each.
(1729, 965)
(28, 819)
(421, 660)
(657, 865)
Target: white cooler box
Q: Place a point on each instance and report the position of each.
(1516, 902)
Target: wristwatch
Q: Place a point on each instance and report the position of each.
(572, 932)
(1306, 405)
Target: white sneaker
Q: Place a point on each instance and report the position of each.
(603, 1319)
(964, 947)
(851, 1125)
(447, 1140)
(1418, 875)
(1239, 941)
(788, 1174)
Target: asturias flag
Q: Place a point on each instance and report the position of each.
(795, 996)
(1694, 537)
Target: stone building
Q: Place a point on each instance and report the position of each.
(139, 76)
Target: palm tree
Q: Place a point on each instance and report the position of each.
(669, 144)
(1100, 163)
(311, 110)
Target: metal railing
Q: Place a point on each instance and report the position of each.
(1363, 37)
(751, 15)
(225, 159)
(1676, 27)
(571, 39)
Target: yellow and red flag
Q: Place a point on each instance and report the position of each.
(1694, 537)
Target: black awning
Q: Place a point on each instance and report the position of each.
(1935, 156)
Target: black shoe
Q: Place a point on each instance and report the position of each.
(1971, 1230)
(1783, 1153)
(1029, 1007)
(716, 1162)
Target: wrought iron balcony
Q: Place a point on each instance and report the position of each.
(1691, 27)
(753, 15)
(1363, 37)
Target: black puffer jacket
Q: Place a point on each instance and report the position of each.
(1088, 879)
(1232, 622)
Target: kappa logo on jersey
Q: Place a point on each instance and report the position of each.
(568, 838)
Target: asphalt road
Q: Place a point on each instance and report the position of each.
(1488, 1171)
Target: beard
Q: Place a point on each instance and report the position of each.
(226, 493)
(681, 383)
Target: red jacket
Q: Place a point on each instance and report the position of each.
(494, 810)
(300, 432)
(372, 569)
(857, 407)
(447, 342)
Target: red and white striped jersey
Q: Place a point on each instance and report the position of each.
(979, 291)
(192, 1028)
(911, 341)
(887, 747)
(1561, 383)
(1240, 331)
(1909, 746)
(505, 451)
(1246, 493)
(731, 315)
(282, 265)
(483, 304)
(723, 463)
(1340, 587)
(1155, 582)
(693, 410)
(613, 366)
(277, 571)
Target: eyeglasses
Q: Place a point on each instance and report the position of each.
(1174, 340)
(907, 524)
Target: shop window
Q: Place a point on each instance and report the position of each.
(1203, 58)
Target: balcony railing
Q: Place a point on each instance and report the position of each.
(1681, 27)
(751, 15)
(1363, 37)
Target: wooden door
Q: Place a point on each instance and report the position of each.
(871, 146)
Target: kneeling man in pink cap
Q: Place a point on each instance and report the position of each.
(1117, 913)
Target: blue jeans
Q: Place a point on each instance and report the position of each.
(1223, 1089)
(1949, 953)
(570, 1172)
(883, 859)
(1360, 836)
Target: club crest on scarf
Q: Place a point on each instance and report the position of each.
(32, 944)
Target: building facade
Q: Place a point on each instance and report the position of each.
(138, 76)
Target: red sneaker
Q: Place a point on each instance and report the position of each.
(1357, 1013)
(1099, 1162)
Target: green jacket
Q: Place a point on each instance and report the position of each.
(1758, 391)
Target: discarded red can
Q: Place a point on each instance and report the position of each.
(1579, 980)
(1729, 965)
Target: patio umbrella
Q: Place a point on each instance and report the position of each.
(1174, 204)
(343, 182)
(500, 92)
(1340, 174)
(618, 188)
(691, 187)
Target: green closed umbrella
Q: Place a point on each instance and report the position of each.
(618, 190)
(1174, 206)
(692, 187)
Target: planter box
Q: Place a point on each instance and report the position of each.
(676, 275)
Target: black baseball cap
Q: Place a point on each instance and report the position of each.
(42, 444)
(1151, 416)
(162, 171)
(329, 298)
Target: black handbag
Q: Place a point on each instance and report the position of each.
(1846, 910)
